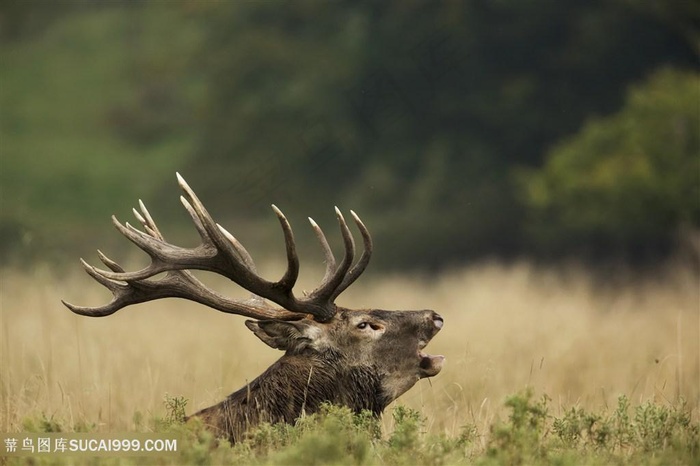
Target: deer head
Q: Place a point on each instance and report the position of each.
(360, 358)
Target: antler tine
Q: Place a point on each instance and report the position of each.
(224, 259)
(101, 311)
(158, 250)
(357, 270)
(245, 256)
(210, 232)
(243, 253)
(290, 277)
(149, 224)
(117, 289)
(327, 252)
(152, 243)
(122, 293)
(326, 290)
(114, 267)
(240, 251)
(147, 221)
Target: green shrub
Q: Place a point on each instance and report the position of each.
(522, 437)
(650, 433)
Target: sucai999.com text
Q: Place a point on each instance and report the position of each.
(27, 444)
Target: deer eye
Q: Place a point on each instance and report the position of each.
(364, 325)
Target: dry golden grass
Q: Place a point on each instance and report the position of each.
(507, 327)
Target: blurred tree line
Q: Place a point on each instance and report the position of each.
(458, 129)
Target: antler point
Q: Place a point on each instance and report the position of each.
(339, 214)
(183, 184)
(138, 215)
(68, 305)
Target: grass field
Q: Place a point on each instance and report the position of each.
(581, 341)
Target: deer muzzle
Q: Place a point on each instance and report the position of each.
(430, 365)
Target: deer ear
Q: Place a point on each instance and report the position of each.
(283, 335)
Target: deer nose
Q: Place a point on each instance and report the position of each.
(438, 321)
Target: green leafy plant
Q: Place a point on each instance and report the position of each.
(625, 181)
(651, 433)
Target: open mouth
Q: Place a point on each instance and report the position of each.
(430, 364)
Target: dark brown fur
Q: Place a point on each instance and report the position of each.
(335, 362)
(291, 386)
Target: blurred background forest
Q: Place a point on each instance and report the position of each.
(458, 130)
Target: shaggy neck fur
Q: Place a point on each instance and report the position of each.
(293, 385)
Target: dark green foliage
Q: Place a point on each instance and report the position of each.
(659, 428)
(628, 182)
(522, 437)
(419, 130)
(96, 113)
(419, 115)
(407, 428)
(333, 436)
(655, 433)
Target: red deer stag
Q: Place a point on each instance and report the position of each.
(363, 359)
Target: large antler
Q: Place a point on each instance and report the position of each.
(221, 253)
